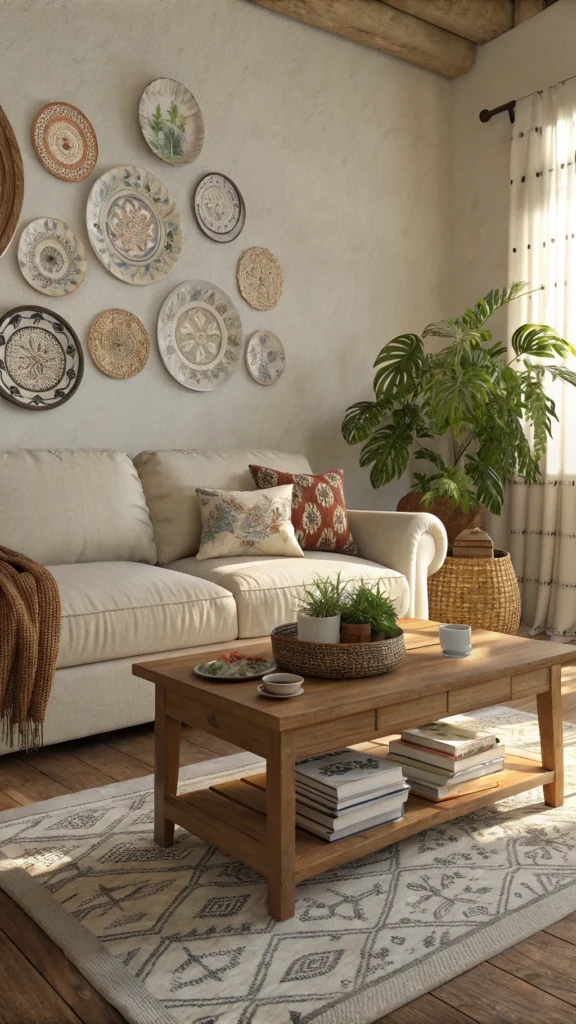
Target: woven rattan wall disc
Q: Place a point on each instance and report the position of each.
(260, 278)
(119, 343)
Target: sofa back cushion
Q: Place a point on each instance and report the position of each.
(170, 479)
(61, 507)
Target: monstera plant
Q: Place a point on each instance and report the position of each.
(472, 390)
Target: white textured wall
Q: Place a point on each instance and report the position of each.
(534, 55)
(341, 154)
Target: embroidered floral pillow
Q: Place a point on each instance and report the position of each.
(247, 523)
(318, 507)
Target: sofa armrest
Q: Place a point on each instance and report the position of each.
(413, 543)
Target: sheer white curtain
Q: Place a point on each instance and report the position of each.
(543, 252)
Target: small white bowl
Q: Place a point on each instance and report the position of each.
(282, 682)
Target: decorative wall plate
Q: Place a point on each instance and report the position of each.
(134, 225)
(41, 360)
(265, 357)
(51, 257)
(260, 278)
(65, 141)
(171, 121)
(219, 208)
(199, 335)
(11, 182)
(119, 343)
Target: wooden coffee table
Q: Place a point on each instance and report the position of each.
(253, 819)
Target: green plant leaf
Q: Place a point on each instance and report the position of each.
(387, 452)
(488, 483)
(562, 373)
(362, 418)
(399, 366)
(454, 396)
(540, 341)
(430, 456)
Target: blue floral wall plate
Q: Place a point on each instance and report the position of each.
(51, 257)
(265, 357)
(200, 335)
(134, 225)
(41, 360)
(171, 121)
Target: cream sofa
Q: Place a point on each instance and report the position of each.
(120, 536)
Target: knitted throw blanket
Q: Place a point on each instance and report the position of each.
(29, 639)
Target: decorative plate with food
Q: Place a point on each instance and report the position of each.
(235, 667)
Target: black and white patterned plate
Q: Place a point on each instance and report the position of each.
(41, 359)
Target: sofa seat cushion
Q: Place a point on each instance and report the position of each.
(268, 590)
(125, 609)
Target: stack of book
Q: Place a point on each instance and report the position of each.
(442, 760)
(347, 791)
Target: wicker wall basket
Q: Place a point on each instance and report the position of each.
(335, 661)
(479, 592)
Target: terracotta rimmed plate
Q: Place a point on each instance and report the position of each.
(65, 141)
(200, 335)
(51, 257)
(171, 121)
(265, 357)
(119, 343)
(134, 224)
(41, 359)
(219, 207)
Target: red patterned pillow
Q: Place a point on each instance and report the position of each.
(318, 507)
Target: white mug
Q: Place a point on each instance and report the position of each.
(455, 640)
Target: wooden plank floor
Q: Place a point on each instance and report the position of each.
(532, 983)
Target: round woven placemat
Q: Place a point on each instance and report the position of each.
(260, 278)
(119, 343)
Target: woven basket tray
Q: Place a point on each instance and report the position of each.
(335, 661)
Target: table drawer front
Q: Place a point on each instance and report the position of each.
(529, 683)
(480, 695)
(240, 731)
(325, 736)
(411, 713)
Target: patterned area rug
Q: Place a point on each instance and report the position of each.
(182, 936)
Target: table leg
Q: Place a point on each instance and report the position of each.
(166, 765)
(551, 736)
(281, 825)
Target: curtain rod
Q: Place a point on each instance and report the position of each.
(486, 115)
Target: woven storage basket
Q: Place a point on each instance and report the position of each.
(478, 592)
(335, 661)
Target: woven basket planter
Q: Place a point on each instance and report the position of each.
(478, 592)
(335, 661)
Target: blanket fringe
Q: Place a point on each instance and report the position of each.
(30, 734)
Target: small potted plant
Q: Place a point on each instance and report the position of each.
(319, 614)
(367, 612)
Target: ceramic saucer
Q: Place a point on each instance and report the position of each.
(278, 696)
(465, 655)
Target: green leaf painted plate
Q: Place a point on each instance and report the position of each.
(233, 668)
(171, 121)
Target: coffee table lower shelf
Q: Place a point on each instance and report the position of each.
(232, 816)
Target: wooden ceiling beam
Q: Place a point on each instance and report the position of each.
(380, 26)
(525, 9)
(477, 20)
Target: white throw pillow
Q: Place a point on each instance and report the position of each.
(247, 523)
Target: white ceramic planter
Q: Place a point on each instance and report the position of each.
(319, 631)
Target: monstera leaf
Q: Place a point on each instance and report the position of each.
(399, 366)
(362, 418)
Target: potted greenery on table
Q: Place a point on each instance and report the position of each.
(319, 613)
(366, 613)
(474, 392)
